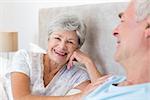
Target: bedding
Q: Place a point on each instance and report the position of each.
(2, 90)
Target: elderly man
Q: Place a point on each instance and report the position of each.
(133, 52)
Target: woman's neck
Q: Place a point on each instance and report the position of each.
(49, 64)
(50, 70)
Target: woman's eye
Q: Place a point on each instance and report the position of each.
(70, 42)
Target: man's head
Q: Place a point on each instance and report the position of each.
(133, 32)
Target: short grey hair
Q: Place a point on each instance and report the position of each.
(142, 9)
(66, 22)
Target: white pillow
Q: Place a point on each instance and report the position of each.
(3, 65)
(35, 48)
(2, 90)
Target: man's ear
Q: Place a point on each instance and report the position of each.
(147, 29)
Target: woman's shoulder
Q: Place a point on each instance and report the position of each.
(78, 73)
(22, 53)
(78, 68)
(26, 53)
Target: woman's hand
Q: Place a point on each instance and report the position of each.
(80, 57)
(92, 86)
(83, 58)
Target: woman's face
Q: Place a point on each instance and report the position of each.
(61, 46)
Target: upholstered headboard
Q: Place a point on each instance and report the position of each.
(101, 19)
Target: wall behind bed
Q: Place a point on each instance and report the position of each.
(100, 19)
(23, 16)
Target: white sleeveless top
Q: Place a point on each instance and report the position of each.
(31, 64)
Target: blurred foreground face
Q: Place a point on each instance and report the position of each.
(130, 35)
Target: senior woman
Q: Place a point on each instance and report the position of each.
(51, 76)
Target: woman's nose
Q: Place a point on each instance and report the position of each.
(62, 45)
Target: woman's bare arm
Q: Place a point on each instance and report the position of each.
(21, 90)
(83, 58)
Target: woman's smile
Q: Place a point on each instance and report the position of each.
(60, 53)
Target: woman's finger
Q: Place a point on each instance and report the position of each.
(70, 63)
(95, 84)
(100, 80)
(103, 78)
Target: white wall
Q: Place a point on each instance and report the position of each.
(22, 16)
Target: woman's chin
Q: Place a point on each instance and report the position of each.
(60, 61)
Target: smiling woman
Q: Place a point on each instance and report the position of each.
(53, 74)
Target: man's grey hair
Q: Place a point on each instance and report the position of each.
(142, 9)
(66, 22)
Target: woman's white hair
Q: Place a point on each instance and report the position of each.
(142, 9)
(66, 22)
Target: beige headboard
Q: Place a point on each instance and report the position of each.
(101, 19)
